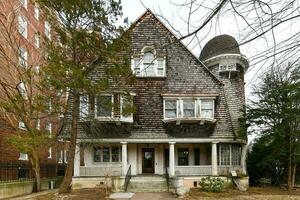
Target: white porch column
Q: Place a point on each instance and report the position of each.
(124, 158)
(243, 158)
(172, 159)
(77, 160)
(214, 157)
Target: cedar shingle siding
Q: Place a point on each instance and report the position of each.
(184, 75)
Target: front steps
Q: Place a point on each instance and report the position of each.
(147, 184)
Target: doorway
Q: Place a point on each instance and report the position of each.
(148, 160)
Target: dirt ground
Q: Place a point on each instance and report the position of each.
(254, 193)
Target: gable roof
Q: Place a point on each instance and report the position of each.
(149, 12)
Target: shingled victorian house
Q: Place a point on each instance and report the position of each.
(188, 114)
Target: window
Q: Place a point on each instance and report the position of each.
(148, 62)
(227, 67)
(22, 125)
(97, 154)
(38, 124)
(197, 156)
(188, 108)
(170, 108)
(104, 106)
(65, 156)
(37, 40)
(22, 90)
(60, 156)
(236, 153)
(23, 57)
(115, 154)
(83, 107)
(24, 3)
(36, 11)
(49, 129)
(183, 156)
(22, 26)
(224, 151)
(126, 107)
(106, 154)
(49, 153)
(207, 108)
(48, 30)
(23, 156)
(37, 69)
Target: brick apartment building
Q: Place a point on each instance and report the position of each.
(25, 19)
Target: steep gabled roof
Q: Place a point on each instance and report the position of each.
(149, 12)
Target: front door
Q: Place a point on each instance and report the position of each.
(148, 160)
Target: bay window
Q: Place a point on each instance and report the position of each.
(103, 106)
(170, 108)
(188, 108)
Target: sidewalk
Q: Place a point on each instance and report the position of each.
(34, 195)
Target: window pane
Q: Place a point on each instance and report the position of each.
(149, 69)
(183, 156)
(225, 154)
(170, 108)
(97, 154)
(104, 106)
(207, 108)
(236, 152)
(106, 154)
(207, 104)
(188, 108)
(84, 108)
(115, 154)
(160, 67)
(126, 106)
(148, 57)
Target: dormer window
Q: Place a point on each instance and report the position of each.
(227, 67)
(148, 64)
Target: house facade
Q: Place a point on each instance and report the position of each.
(188, 116)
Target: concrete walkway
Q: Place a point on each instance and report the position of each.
(153, 195)
(34, 195)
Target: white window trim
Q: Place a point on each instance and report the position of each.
(49, 129)
(142, 66)
(23, 57)
(38, 124)
(22, 125)
(25, 155)
(47, 30)
(50, 153)
(36, 11)
(164, 105)
(60, 159)
(24, 4)
(197, 108)
(22, 24)
(112, 109)
(37, 40)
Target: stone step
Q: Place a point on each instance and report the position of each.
(147, 184)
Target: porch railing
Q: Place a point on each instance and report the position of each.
(225, 170)
(111, 170)
(127, 178)
(168, 178)
(193, 170)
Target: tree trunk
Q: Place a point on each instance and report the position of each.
(294, 175)
(65, 186)
(289, 181)
(35, 162)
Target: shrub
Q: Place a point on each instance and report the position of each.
(210, 184)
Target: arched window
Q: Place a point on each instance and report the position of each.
(148, 62)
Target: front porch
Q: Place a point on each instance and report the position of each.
(112, 159)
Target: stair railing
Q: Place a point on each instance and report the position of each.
(127, 178)
(168, 178)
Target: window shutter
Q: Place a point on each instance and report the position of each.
(161, 66)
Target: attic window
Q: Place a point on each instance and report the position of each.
(148, 64)
(227, 67)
